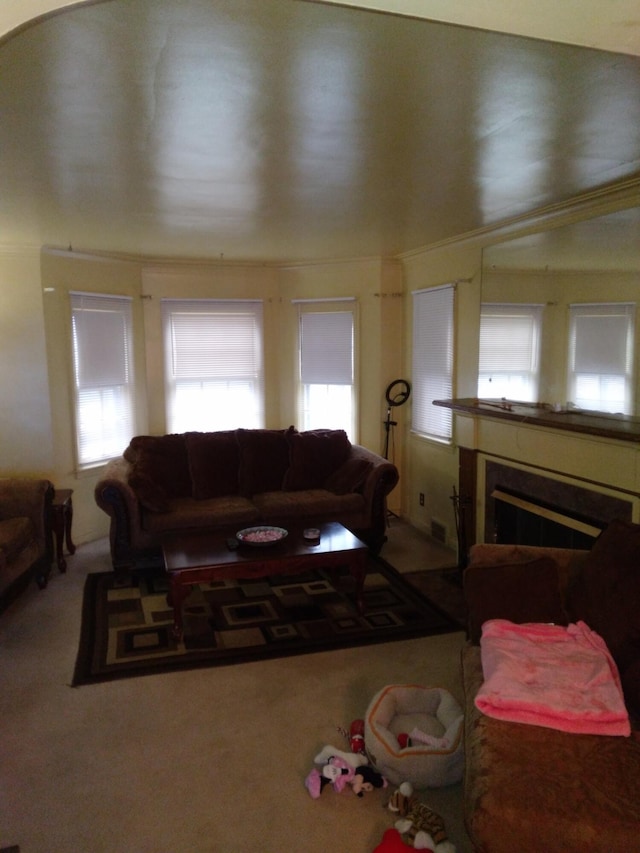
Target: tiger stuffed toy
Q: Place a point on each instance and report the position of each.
(419, 825)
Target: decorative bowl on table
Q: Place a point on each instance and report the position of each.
(261, 536)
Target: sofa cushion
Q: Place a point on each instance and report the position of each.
(230, 511)
(349, 477)
(15, 535)
(162, 460)
(520, 592)
(264, 459)
(531, 788)
(150, 494)
(314, 505)
(313, 456)
(213, 462)
(606, 593)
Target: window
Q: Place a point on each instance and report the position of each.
(509, 351)
(432, 361)
(601, 356)
(326, 348)
(213, 364)
(103, 374)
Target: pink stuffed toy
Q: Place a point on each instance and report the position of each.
(337, 772)
(392, 843)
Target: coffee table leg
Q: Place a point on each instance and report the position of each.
(175, 599)
(359, 572)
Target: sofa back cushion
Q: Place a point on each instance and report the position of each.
(160, 461)
(314, 456)
(213, 463)
(152, 496)
(264, 459)
(349, 477)
(606, 593)
(520, 592)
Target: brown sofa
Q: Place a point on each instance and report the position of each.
(26, 548)
(529, 788)
(237, 478)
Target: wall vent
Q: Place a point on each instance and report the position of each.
(438, 531)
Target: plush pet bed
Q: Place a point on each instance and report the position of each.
(433, 720)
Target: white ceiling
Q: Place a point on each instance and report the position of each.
(283, 130)
(614, 26)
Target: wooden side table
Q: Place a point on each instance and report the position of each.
(61, 519)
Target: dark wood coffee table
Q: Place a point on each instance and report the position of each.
(192, 556)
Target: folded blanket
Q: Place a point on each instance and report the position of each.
(549, 675)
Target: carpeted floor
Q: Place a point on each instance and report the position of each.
(126, 627)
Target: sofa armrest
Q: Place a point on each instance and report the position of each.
(114, 495)
(517, 582)
(381, 479)
(27, 497)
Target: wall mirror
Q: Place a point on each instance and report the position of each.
(594, 260)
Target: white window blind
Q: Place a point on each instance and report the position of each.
(326, 351)
(432, 361)
(601, 356)
(103, 373)
(509, 351)
(213, 364)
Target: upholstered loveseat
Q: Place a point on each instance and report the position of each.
(25, 541)
(238, 478)
(532, 788)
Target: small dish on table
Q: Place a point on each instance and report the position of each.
(262, 535)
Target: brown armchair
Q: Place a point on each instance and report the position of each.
(25, 535)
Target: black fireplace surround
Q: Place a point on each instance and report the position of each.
(506, 522)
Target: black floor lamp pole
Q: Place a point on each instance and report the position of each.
(389, 424)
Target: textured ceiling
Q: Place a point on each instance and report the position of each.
(281, 130)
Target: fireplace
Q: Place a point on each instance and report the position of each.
(526, 508)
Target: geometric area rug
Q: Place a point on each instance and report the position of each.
(126, 623)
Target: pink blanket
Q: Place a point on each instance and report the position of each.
(553, 676)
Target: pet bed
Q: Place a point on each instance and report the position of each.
(432, 718)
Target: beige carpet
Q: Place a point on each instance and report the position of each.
(205, 761)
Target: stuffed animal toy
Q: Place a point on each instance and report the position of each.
(341, 769)
(366, 779)
(356, 736)
(338, 768)
(392, 843)
(419, 825)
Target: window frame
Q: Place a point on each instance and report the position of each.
(253, 310)
(316, 308)
(605, 310)
(120, 306)
(534, 313)
(434, 339)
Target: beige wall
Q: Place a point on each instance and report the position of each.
(25, 416)
(37, 425)
(377, 287)
(36, 419)
(431, 468)
(220, 281)
(557, 291)
(61, 273)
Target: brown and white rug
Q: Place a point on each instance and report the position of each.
(126, 627)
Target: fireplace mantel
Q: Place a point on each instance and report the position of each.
(618, 427)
